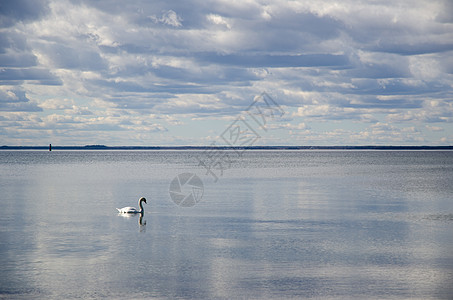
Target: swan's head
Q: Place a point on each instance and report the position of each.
(142, 199)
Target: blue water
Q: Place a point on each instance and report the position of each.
(274, 224)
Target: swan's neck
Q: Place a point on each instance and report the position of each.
(140, 204)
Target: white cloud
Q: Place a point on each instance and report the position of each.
(434, 128)
(218, 20)
(58, 104)
(169, 18)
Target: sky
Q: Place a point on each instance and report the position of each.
(157, 72)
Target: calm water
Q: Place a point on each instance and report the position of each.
(288, 224)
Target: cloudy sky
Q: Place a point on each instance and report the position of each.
(180, 72)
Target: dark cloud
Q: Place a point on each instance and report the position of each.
(416, 48)
(380, 70)
(113, 87)
(15, 52)
(145, 13)
(65, 57)
(13, 40)
(17, 60)
(446, 14)
(275, 61)
(37, 75)
(15, 11)
(206, 77)
(294, 23)
(15, 100)
(373, 102)
(394, 87)
(18, 63)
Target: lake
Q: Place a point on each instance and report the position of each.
(255, 224)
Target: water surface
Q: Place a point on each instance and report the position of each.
(276, 224)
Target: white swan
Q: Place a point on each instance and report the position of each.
(133, 210)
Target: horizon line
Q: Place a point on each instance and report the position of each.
(225, 147)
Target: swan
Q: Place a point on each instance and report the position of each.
(133, 210)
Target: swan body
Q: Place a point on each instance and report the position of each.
(133, 210)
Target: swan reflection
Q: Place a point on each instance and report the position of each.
(141, 222)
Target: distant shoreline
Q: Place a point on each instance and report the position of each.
(103, 147)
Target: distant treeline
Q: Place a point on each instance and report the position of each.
(103, 147)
